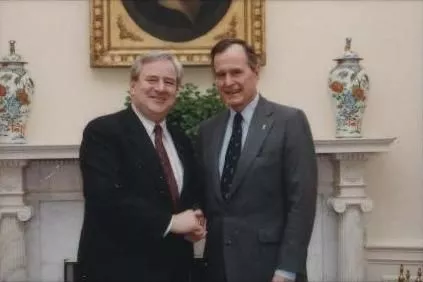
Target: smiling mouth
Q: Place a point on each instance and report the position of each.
(159, 99)
(232, 92)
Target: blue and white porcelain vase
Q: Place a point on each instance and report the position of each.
(16, 91)
(348, 86)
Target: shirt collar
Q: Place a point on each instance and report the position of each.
(147, 123)
(248, 111)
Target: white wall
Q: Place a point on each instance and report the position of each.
(302, 39)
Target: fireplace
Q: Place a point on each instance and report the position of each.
(41, 209)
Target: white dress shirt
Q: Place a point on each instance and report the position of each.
(175, 162)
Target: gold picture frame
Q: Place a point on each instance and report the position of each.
(120, 32)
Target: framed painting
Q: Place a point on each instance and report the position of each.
(123, 29)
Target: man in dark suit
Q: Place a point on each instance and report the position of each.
(261, 178)
(139, 183)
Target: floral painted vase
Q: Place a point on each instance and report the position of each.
(16, 91)
(348, 86)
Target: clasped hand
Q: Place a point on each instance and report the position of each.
(190, 223)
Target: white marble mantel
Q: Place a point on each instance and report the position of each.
(347, 200)
(323, 146)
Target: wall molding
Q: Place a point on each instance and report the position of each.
(384, 259)
(410, 253)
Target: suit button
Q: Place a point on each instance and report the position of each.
(226, 196)
(228, 242)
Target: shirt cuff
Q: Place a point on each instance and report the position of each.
(286, 274)
(168, 227)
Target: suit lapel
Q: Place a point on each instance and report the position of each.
(214, 149)
(138, 139)
(260, 126)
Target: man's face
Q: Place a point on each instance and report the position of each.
(235, 80)
(154, 93)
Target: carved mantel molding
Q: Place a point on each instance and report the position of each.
(348, 199)
(329, 146)
(38, 152)
(353, 145)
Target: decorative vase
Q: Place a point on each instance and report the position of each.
(348, 86)
(16, 91)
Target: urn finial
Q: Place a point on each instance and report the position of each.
(12, 47)
(12, 58)
(419, 275)
(401, 277)
(348, 44)
(348, 53)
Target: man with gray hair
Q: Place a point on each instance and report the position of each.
(140, 185)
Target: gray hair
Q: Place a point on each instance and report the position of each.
(155, 56)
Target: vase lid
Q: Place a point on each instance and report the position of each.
(348, 53)
(12, 57)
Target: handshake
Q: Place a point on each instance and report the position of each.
(190, 223)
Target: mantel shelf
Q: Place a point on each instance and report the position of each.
(353, 145)
(323, 146)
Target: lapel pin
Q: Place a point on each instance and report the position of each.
(263, 127)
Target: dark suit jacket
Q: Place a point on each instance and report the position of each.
(266, 222)
(128, 205)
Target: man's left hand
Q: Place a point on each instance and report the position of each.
(279, 278)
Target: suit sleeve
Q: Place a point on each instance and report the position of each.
(300, 184)
(103, 184)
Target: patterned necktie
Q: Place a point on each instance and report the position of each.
(232, 155)
(167, 168)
